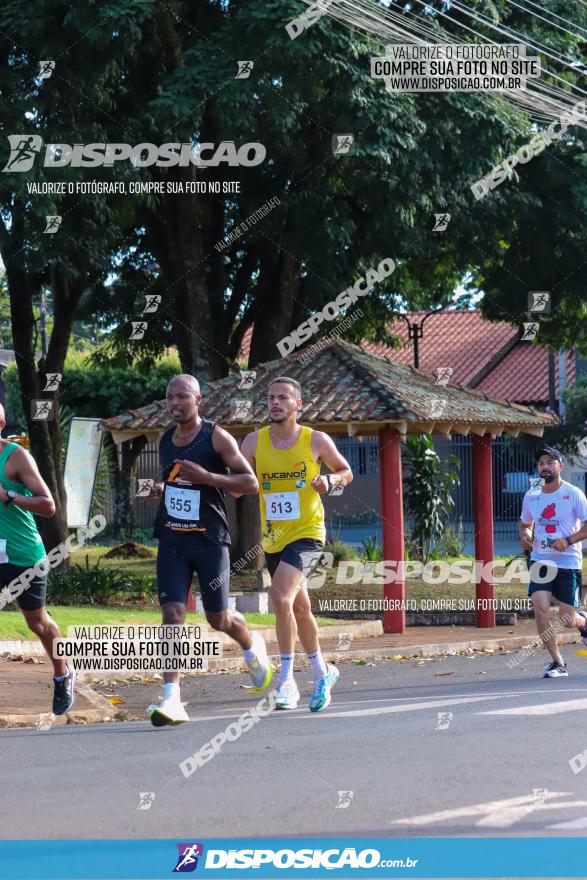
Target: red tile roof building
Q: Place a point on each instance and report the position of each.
(484, 355)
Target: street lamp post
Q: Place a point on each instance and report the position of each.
(415, 333)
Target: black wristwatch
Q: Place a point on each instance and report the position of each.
(569, 541)
(11, 496)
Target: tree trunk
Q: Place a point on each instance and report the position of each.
(22, 289)
(177, 239)
(46, 442)
(278, 287)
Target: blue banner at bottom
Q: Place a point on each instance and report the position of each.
(226, 859)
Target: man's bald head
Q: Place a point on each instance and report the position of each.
(185, 382)
(184, 398)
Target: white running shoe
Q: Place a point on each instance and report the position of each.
(171, 711)
(554, 670)
(260, 666)
(286, 694)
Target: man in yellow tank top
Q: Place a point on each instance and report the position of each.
(287, 459)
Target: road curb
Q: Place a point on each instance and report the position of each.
(407, 652)
(432, 650)
(101, 711)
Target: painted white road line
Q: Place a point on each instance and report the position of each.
(542, 708)
(303, 713)
(575, 824)
(508, 817)
(495, 814)
(408, 704)
(392, 710)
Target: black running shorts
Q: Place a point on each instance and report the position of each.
(34, 596)
(304, 554)
(177, 563)
(565, 587)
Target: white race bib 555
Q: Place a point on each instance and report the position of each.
(182, 503)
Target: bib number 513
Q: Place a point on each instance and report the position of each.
(280, 507)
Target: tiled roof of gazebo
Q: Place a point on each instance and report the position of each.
(345, 388)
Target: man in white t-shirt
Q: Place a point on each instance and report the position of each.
(558, 513)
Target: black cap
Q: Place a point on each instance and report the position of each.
(550, 450)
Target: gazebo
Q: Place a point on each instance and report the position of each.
(349, 391)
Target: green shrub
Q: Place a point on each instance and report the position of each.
(91, 585)
(372, 549)
(452, 541)
(142, 588)
(428, 499)
(64, 587)
(340, 551)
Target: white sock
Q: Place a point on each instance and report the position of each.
(319, 668)
(249, 653)
(286, 670)
(171, 689)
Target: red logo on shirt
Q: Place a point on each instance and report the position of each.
(548, 512)
(566, 497)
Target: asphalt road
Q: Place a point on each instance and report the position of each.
(499, 766)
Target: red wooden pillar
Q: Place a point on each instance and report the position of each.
(483, 514)
(392, 512)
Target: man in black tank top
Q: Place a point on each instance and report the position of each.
(199, 463)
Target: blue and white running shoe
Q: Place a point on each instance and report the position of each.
(320, 698)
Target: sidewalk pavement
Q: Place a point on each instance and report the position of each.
(26, 686)
(26, 694)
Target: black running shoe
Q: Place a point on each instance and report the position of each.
(583, 630)
(554, 670)
(64, 694)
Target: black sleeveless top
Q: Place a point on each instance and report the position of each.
(191, 511)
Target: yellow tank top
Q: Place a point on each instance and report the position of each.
(290, 508)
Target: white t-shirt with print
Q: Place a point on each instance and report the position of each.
(555, 515)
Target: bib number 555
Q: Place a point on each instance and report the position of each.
(178, 505)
